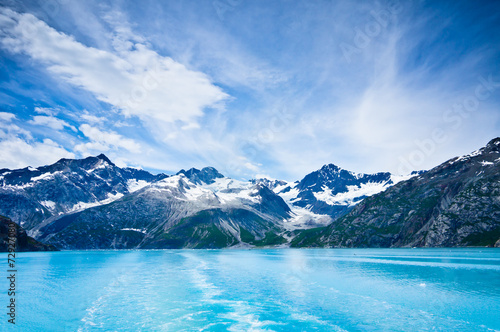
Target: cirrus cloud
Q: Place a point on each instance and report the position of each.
(135, 80)
(101, 141)
(51, 122)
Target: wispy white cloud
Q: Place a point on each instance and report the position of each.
(90, 118)
(102, 141)
(51, 122)
(213, 99)
(46, 111)
(136, 80)
(9, 129)
(19, 149)
(19, 153)
(7, 117)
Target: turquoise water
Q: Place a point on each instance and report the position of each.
(258, 290)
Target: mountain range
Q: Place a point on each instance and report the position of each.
(93, 204)
(454, 204)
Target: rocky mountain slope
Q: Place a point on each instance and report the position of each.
(44, 199)
(455, 204)
(175, 212)
(93, 204)
(30, 195)
(24, 242)
(328, 193)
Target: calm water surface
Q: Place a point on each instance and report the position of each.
(258, 290)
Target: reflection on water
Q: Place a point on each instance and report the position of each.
(253, 290)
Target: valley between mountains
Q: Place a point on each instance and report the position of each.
(93, 204)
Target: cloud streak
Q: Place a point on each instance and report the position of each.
(19, 149)
(104, 141)
(51, 122)
(137, 81)
(174, 85)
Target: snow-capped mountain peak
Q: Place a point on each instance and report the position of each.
(330, 191)
(30, 195)
(206, 175)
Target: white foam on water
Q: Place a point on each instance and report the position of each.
(241, 312)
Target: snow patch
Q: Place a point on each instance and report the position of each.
(353, 192)
(134, 229)
(45, 176)
(486, 163)
(170, 182)
(465, 157)
(237, 196)
(17, 187)
(4, 174)
(227, 183)
(233, 191)
(84, 205)
(222, 191)
(475, 153)
(304, 218)
(357, 175)
(290, 195)
(134, 185)
(50, 205)
(281, 187)
(195, 193)
(399, 178)
(101, 165)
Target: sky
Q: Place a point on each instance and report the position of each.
(253, 88)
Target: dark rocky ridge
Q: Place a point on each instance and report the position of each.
(454, 204)
(336, 180)
(271, 184)
(31, 195)
(162, 216)
(206, 175)
(24, 242)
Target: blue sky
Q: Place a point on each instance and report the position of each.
(253, 88)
